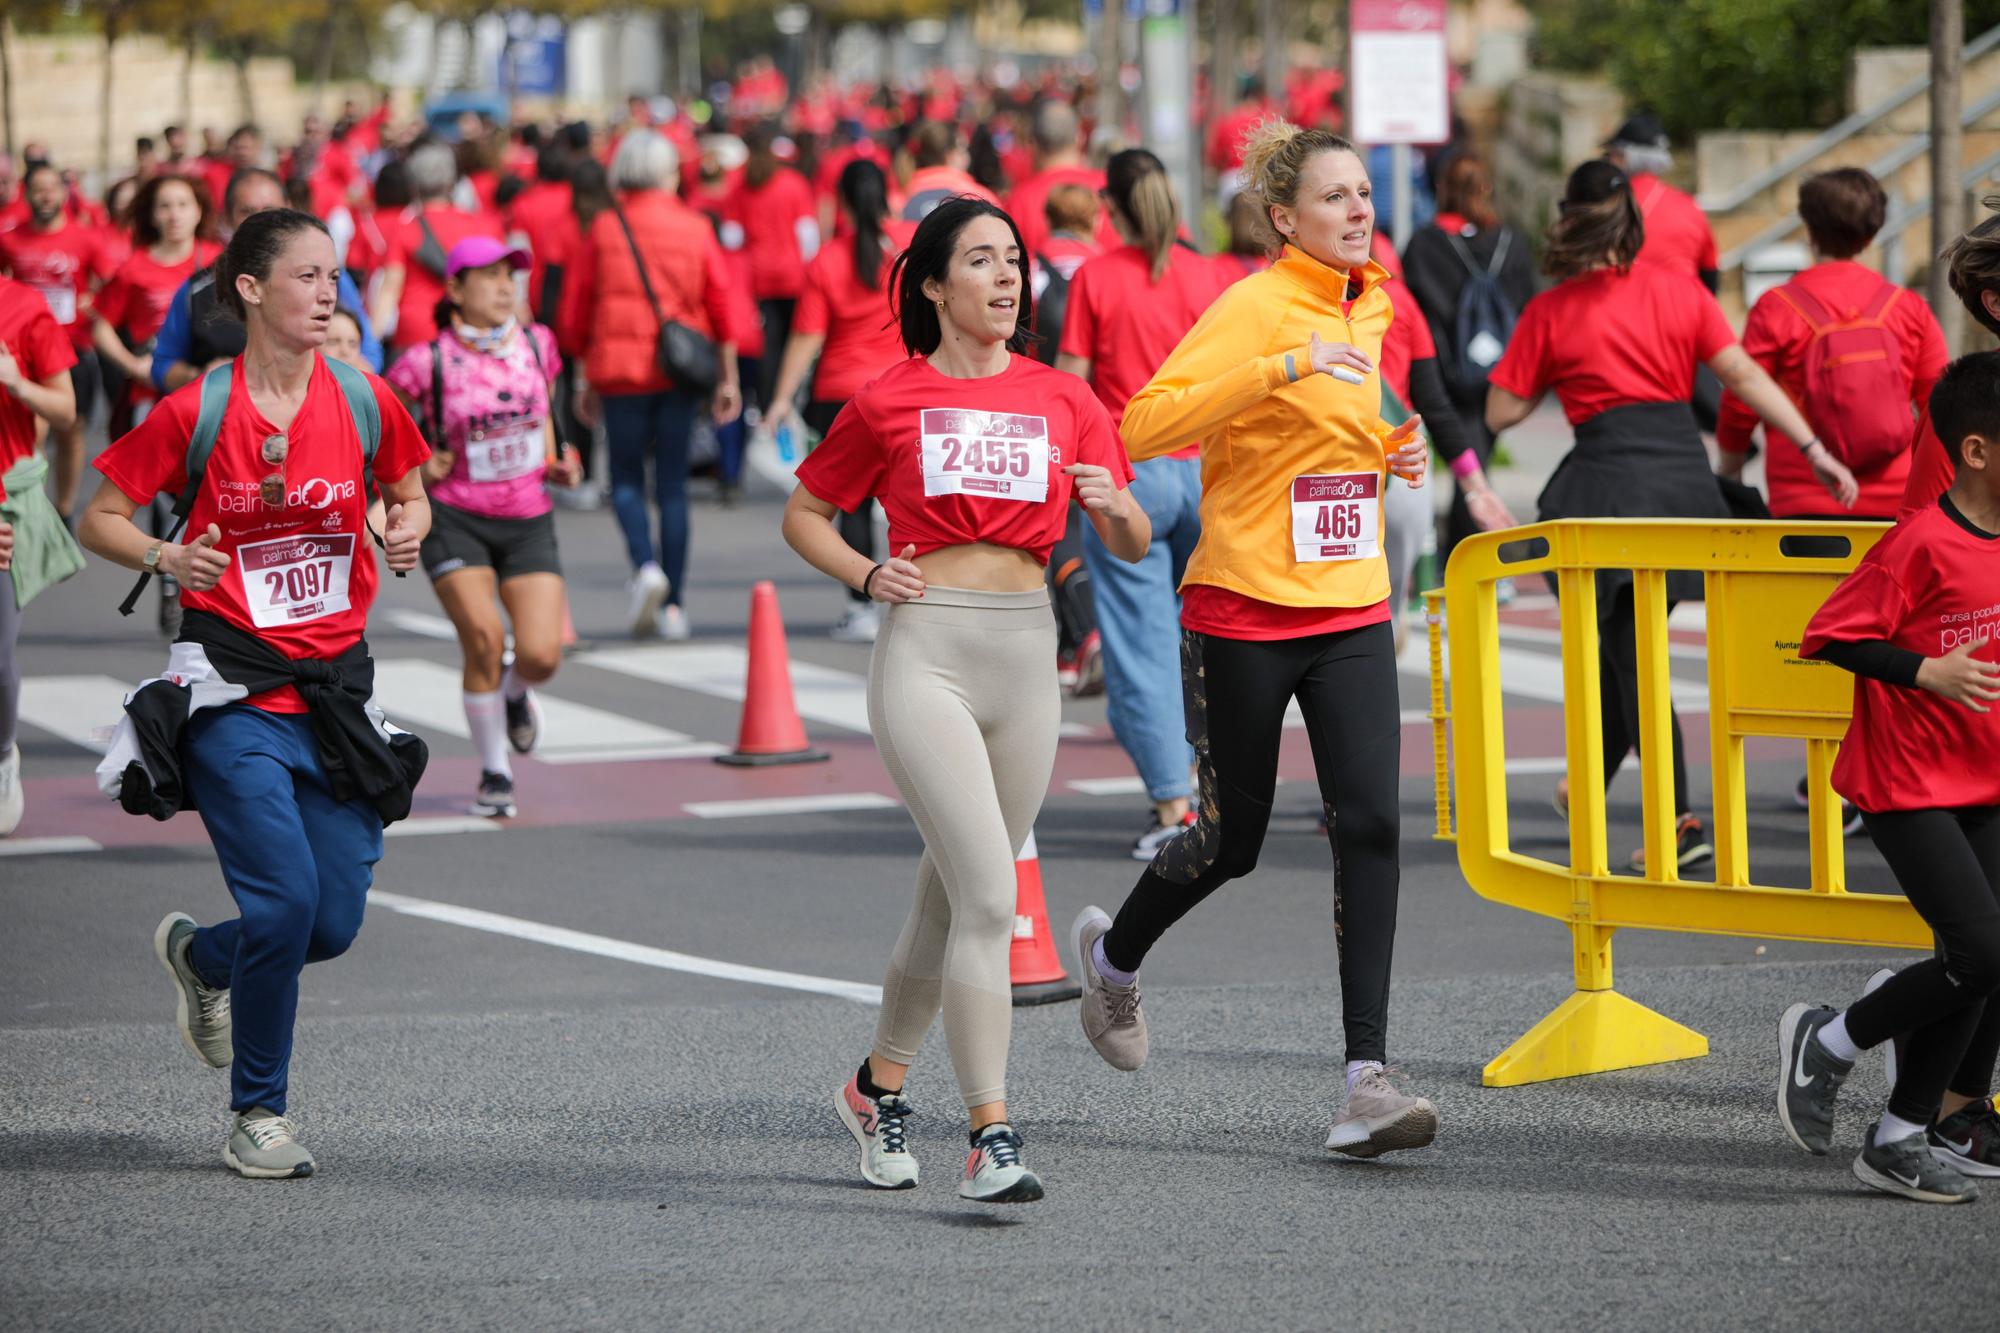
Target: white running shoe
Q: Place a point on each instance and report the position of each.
(877, 1126)
(11, 801)
(201, 1010)
(645, 594)
(993, 1170)
(674, 627)
(1378, 1117)
(858, 624)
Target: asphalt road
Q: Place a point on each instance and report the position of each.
(527, 1113)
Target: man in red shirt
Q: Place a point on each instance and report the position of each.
(404, 306)
(63, 261)
(1058, 161)
(940, 172)
(542, 212)
(1677, 231)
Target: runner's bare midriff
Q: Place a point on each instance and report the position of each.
(982, 566)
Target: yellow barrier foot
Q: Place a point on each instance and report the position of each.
(1593, 1032)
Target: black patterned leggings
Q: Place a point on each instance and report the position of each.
(1237, 691)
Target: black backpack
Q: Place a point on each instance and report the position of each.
(1051, 308)
(1486, 318)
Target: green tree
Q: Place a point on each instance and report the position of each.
(1732, 64)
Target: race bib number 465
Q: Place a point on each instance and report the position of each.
(1337, 516)
(1001, 455)
(295, 579)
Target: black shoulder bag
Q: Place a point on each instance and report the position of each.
(683, 354)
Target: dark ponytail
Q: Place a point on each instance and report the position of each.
(1137, 182)
(254, 250)
(864, 192)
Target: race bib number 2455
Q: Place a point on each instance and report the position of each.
(1001, 455)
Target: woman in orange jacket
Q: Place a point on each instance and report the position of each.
(1286, 597)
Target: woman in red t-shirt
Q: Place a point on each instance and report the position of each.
(771, 217)
(845, 321)
(975, 453)
(1618, 342)
(1915, 622)
(1972, 262)
(169, 218)
(271, 673)
(36, 357)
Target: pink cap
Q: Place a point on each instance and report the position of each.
(479, 252)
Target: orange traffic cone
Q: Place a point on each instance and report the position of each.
(771, 732)
(1036, 970)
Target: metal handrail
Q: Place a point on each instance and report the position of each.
(1881, 168)
(1898, 221)
(1840, 133)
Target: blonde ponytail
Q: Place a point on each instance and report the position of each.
(1276, 152)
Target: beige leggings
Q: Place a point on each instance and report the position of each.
(963, 701)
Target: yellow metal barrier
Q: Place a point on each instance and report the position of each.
(1763, 582)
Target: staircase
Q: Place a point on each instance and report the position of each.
(1748, 181)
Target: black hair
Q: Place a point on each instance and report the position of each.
(144, 144)
(508, 189)
(238, 179)
(255, 248)
(392, 185)
(589, 191)
(1966, 402)
(552, 163)
(929, 258)
(29, 175)
(864, 191)
(575, 135)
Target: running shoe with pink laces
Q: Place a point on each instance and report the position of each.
(877, 1126)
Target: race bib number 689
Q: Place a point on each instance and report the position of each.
(1001, 455)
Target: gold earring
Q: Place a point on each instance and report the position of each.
(940, 306)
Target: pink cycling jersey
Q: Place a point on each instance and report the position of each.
(495, 405)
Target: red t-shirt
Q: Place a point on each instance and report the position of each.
(1928, 586)
(301, 578)
(961, 461)
(136, 298)
(930, 186)
(1207, 609)
(37, 342)
(1777, 337)
(215, 175)
(62, 265)
(863, 337)
(1407, 342)
(1028, 205)
(769, 216)
(1610, 339)
(1225, 145)
(1677, 231)
(544, 213)
(1931, 472)
(416, 319)
(1126, 326)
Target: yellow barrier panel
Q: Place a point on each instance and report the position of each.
(1440, 715)
(1763, 582)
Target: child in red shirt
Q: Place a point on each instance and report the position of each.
(1915, 623)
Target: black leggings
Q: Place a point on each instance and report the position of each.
(776, 313)
(1618, 691)
(1237, 691)
(1948, 862)
(857, 528)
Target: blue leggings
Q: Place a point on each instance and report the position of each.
(655, 427)
(297, 862)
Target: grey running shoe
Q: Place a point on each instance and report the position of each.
(1907, 1167)
(1809, 1078)
(524, 722)
(1376, 1118)
(993, 1170)
(877, 1127)
(496, 796)
(201, 1010)
(1892, 1051)
(1968, 1140)
(265, 1146)
(1111, 1017)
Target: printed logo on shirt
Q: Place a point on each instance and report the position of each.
(1000, 455)
(1963, 627)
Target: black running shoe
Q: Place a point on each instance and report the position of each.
(1909, 1169)
(524, 722)
(1809, 1078)
(1968, 1140)
(496, 796)
(1691, 846)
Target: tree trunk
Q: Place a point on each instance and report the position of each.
(1947, 195)
(244, 95)
(323, 75)
(1277, 52)
(188, 55)
(1110, 63)
(7, 84)
(105, 102)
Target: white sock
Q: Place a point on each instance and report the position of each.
(1104, 968)
(1356, 1068)
(486, 716)
(1838, 1044)
(1894, 1127)
(512, 686)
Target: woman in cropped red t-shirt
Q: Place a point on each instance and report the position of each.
(975, 453)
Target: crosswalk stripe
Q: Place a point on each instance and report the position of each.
(836, 698)
(423, 624)
(47, 846)
(76, 708)
(790, 805)
(430, 695)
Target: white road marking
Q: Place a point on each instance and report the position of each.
(75, 708)
(47, 846)
(624, 950)
(1540, 764)
(791, 805)
(430, 695)
(1108, 786)
(424, 624)
(421, 827)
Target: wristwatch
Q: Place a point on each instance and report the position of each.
(151, 561)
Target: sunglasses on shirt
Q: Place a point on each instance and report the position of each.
(272, 488)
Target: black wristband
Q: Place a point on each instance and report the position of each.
(869, 581)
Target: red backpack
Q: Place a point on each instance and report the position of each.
(1857, 393)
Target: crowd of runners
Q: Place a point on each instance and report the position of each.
(1050, 442)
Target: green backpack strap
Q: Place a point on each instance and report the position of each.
(207, 426)
(364, 407)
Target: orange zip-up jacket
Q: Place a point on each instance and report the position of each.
(1241, 382)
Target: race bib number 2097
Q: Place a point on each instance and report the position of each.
(1001, 455)
(295, 579)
